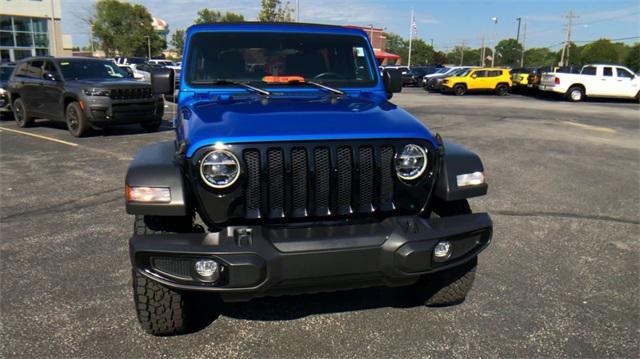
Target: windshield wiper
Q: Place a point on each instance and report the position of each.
(325, 87)
(236, 83)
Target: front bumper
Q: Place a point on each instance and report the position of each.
(259, 261)
(103, 111)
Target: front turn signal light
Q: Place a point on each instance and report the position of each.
(470, 179)
(148, 194)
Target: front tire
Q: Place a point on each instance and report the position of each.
(21, 114)
(459, 89)
(77, 122)
(575, 94)
(151, 126)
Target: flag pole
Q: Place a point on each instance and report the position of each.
(410, 38)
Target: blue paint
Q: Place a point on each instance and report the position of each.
(234, 115)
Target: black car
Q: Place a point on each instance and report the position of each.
(5, 72)
(86, 93)
(414, 76)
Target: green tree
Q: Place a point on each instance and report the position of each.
(275, 11)
(208, 16)
(421, 53)
(539, 57)
(439, 58)
(632, 59)
(601, 50)
(123, 28)
(395, 43)
(509, 52)
(177, 40)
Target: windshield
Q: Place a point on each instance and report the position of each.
(91, 69)
(5, 72)
(336, 60)
(463, 73)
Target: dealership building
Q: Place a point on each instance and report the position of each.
(32, 28)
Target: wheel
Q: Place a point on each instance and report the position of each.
(21, 114)
(502, 90)
(162, 310)
(459, 89)
(448, 287)
(151, 125)
(77, 123)
(575, 94)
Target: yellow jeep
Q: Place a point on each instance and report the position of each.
(481, 79)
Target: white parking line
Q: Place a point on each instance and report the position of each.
(589, 127)
(40, 137)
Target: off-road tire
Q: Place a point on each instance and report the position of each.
(572, 92)
(502, 90)
(152, 125)
(77, 122)
(459, 89)
(21, 114)
(448, 287)
(161, 310)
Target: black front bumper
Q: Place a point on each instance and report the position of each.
(104, 111)
(260, 261)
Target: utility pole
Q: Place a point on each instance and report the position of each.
(518, 34)
(524, 39)
(482, 54)
(564, 59)
(53, 30)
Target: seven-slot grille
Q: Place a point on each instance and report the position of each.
(318, 181)
(134, 93)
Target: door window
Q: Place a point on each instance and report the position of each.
(34, 69)
(50, 68)
(481, 74)
(624, 73)
(589, 70)
(607, 71)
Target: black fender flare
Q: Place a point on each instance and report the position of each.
(155, 165)
(457, 160)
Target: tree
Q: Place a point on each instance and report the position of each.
(539, 57)
(509, 52)
(439, 58)
(177, 40)
(275, 11)
(601, 50)
(123, 28)
(208, 16)
(395, 43)
(632, 59)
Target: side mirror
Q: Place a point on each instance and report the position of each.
(162, 81)
(474, 76)
(392, 80)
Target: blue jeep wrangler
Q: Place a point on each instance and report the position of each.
(291, 172)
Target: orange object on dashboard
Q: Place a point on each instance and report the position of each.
(282, 79)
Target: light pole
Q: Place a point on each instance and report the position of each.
(495, 40)
(148, 46)
(518, 33)
(53, 30)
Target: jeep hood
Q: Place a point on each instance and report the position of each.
(297, 119)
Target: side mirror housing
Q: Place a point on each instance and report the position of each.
(162, 81)
(392, 80)
(474, 76)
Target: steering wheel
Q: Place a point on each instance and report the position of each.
(328, 74)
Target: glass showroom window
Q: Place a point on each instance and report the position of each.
(21, 37)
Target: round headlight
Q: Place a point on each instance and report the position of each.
(220, 169)
(411, 162)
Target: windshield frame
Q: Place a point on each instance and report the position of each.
(115, 66)
(371, 62)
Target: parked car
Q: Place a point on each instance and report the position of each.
(85, 93)
(438, 72)
(435, 82)
(135, 72)
(594, 80)
(414, 76)
(479, 79)
(6, 69)
(535, 76)
(520, 77)
(249, 200)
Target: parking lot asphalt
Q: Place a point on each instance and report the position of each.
(561, 277)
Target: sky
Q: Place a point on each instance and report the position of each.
(447, 22)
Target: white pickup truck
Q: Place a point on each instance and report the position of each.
(593, 81)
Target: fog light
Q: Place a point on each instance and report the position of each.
(442, 250)
(208, 270)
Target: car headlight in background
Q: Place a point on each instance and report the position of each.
(411, 162)
(219, 168)
(96, 92)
